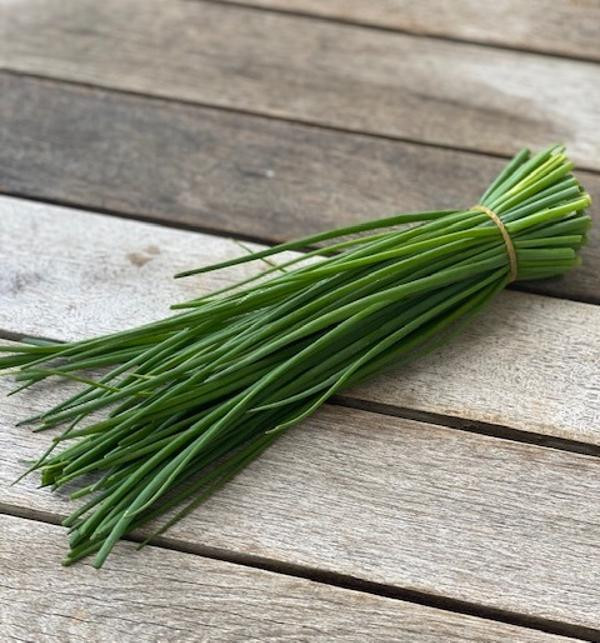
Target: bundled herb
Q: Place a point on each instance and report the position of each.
(190, 400)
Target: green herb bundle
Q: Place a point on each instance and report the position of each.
(185, 403)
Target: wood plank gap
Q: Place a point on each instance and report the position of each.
(527, 287)
(196, 594)
(145, 218)
(338, 580)
(19, 337)
(428, 35)
(268, 116)
(499, 431)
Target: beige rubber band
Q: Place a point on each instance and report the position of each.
(510, 248)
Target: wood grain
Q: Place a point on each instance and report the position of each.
(167, 595)
(530, 362)
(562, 28)
(390, 84)
(231, 173)
(502, 524)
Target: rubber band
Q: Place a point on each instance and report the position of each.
(510, 248)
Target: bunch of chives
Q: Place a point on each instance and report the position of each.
(190, 400)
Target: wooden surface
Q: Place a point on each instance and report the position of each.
(232, 173)
(176, 595)
(383, 83)
(452, 499)
(568, 28)
(86, 260)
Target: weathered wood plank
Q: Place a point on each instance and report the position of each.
(506, 525)
(344, 76)
(563, 28)
(530, 362)
(232, 173)
(167, 595)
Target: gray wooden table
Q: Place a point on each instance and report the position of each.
(454, 499)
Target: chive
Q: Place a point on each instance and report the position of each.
(190, 400)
